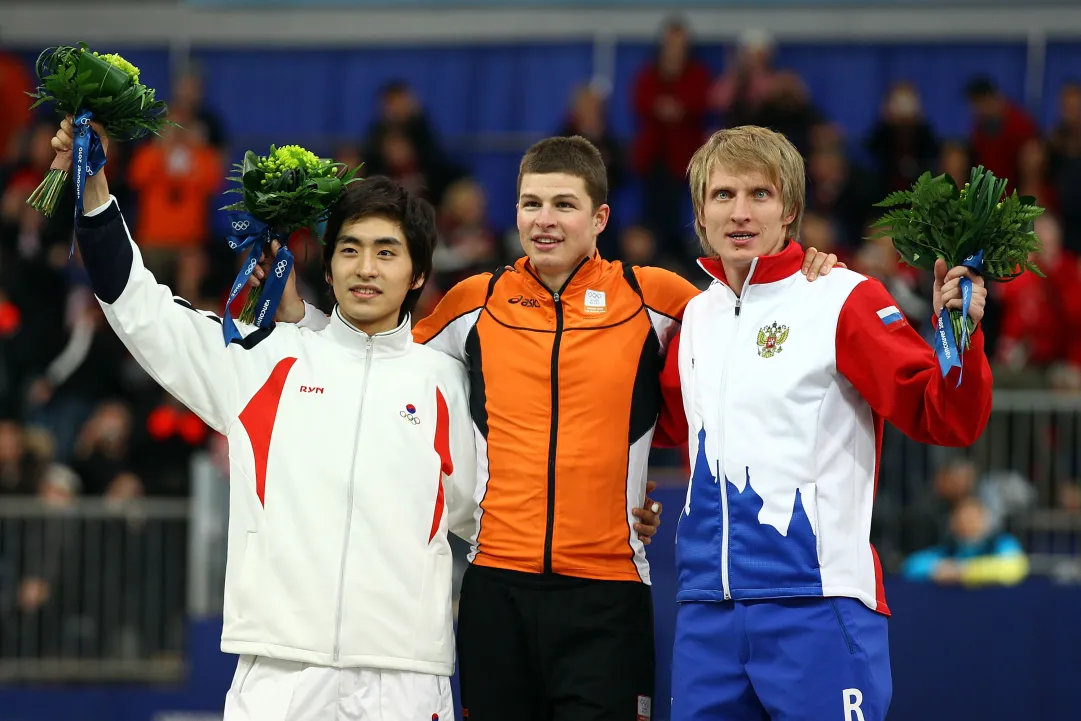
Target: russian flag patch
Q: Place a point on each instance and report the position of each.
(890, 316)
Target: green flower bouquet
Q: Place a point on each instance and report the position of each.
(88, 85)
(284, 191)
(978, 226)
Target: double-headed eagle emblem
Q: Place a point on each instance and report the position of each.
(770, 339)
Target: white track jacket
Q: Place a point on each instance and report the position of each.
(786, 390)
(349, 457)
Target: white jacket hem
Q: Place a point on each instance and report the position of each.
(318, 658)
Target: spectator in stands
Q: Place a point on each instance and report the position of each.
(878, 259)
(1000, 128)
(402, 144)
(175, 175)
(29, 161)
(842, 192)
(926, 521)
(1034, 175)
(1069, 498)
(637, 246)
(161, 450)
(818, 231)
(588, 117)
(1065, 147)
(189, 101)
(35, 281)
(1041, 317)
(669, 102)
(902, 142)
(972, 555)
(790, 110)
(351, 156)
(404, 164)
(467, 244)
(49, 569)
(102, 451)
(738, 95)
(1007, 494)
(15, 116)
(955, 160)
(90, 369)
(20, 468)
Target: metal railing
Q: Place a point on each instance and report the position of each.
(1026, 460)
(92, 591)
(95, 591)
(1052, 540)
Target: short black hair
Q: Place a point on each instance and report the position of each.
(395, 86)
(980, 87)
(381, 197)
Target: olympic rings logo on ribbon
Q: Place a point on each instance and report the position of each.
(279, 269)
(241, 225)
(410, 417)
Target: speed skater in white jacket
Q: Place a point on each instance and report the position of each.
(786, 387)
(351, 455)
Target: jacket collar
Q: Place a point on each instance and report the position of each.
(588, 271)
(764, 268)
(389, 343)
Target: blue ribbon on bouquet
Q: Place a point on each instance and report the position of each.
(88, 158)
(251, 234)
(949, 352)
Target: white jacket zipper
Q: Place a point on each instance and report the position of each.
(722, 481)
(349, 503)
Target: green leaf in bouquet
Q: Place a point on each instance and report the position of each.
(252, 180)
(942, 221)
(250, 163)
(295, 188)
(74, 79)
(109, 79)
(328, 186)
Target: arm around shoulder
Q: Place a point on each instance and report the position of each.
(314, 319)
(672, 423)
(665, 292)
(459, 450)
(445, 329)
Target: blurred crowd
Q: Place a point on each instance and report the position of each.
(78, 417)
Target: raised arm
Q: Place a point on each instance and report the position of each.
(182, 348)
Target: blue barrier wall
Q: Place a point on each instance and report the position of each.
(996, 655)
(473, 91)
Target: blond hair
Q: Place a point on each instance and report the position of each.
(750, 148)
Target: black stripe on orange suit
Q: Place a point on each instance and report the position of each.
(565, 399)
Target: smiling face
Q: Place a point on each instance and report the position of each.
(371, 272)
(557, 224)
